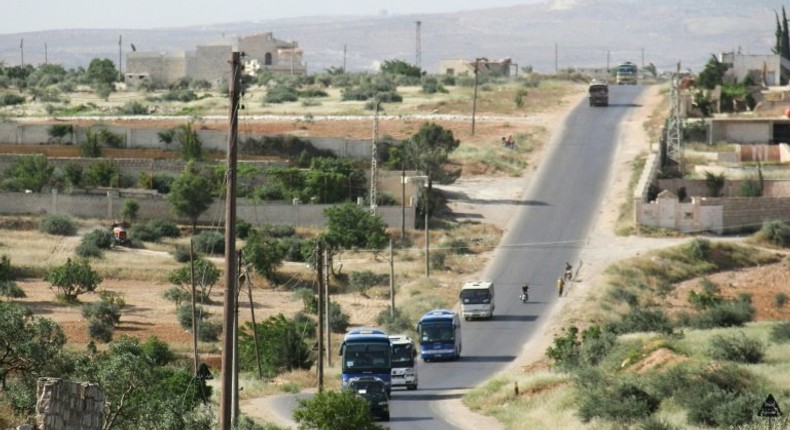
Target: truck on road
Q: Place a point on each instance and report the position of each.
(598, 93)
(404, 351)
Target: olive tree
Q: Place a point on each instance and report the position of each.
(73, 279)
(190, 195)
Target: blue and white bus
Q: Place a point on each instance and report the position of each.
(366, 352)
(440, 335)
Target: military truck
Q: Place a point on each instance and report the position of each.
(599, 93)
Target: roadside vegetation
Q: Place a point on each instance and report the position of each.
(650, 354)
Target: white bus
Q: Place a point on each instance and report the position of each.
(477, 299)
(404, 374)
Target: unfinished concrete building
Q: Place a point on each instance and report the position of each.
(210, 62)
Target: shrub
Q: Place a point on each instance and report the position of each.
(209, 242)
(776, 233)
(100, 330)
(699, 248)
(640, 318)
(181, 253)
(618, 401)
(309, 300)
(73, 173)
(89, 250)
(361, 281)
(733, 313)
(100, 237)
(278, 230)
(184, 315)
(209, 331)
(294, 248)
(709, 296)
(397, 322)
(102, 173)
(134, 108)
(750, 188)
(281, 94)
(164, 228)
(59, 225)
(177, 295)
(737, 348)
(11, 290)
(438, 259)
(780, 332)
(338, 320)
(243, 229)
(780, 299)
(456, 246)
(8, 99)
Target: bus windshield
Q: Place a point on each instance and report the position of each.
(402, 356)
(366, 356)
(440, 331)
(475, 297)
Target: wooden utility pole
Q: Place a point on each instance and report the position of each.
(427, 236)
(226, 407)
(328, 329)
(392, 281)
(194, 304)
(403, 200)
(320, 275)
(120, 57)
(254, 331)
(474, 97)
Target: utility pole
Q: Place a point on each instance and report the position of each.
(419, 46)
(427, 236)
(607, 59)
(194, 304)
(474, 97)
(120, 54)
(293, 56)
(328, 327)
(556, 58)
(22, 51)
(226, 407)
(45, 54)
(254, 331)
(374, 171)
(320, 278)
(403, 200)
(344, 58)
(392, 281)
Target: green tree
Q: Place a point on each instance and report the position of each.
(73, 279)
(400, 67)
(130, 209)
(27, 343)
(102, 71)
(206, 276)
(715, 183)
(336, 410)
(29, 172)
(139, 392)
(265, 254)
(191, 146)
(190, 194)
(350, 226)
(283, 345)
(712, 74)
(429, 151)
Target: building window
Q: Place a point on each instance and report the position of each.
(267, 59)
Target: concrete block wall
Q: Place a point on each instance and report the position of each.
(751, 212)
(38, 134)
(108, 206)
(67, 405)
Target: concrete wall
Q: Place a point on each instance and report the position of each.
(36, 134)
(109, 205)
(697, 187)
(740, 130)
(66, 405)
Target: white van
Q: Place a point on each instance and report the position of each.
(477, 300)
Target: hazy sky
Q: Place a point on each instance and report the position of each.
(35, 15)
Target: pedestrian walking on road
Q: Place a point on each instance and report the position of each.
(560, 286)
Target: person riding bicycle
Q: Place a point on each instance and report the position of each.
(568, 271)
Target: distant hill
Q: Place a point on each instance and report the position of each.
(581, 31)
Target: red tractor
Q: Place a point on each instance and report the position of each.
(120, 236)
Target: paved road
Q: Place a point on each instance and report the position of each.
(549, 229)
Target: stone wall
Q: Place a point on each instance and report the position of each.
(697, 187)
(66, 405)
